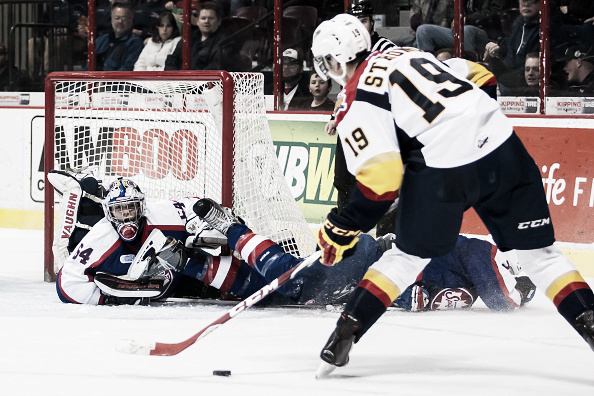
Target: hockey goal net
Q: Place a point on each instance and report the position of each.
(176, 134)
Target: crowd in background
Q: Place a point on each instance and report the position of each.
(502, 35)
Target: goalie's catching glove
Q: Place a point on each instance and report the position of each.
(158, 253)
(336, 240)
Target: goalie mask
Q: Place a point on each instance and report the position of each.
(124, 207)
(338, 41)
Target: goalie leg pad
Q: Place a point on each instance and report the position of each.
(71, 192)
(80, 209)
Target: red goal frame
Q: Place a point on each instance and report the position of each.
(228, 87)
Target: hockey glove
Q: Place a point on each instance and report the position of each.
(173, 255)
(526, 289)
(336, 240)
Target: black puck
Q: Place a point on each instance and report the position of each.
(222, 373)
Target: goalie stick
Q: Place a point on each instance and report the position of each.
(161, 349)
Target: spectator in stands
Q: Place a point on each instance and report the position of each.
(146, 16)
(567, 29)
(103, 17)
(164, 39)
(579, 66)
(177, 10)
(577, 12)
(11, 78)
(482, 21)
(364, 11)
(436, 12)
(102, 20)
(514, 84)
(318, 100)
(67, 46)
(524, 39)
(532, 71)
(118, 50)
(295, 85)
(206, 52)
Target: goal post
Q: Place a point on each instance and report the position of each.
(177, 134)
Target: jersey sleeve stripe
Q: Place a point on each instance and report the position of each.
(381, 176)
(380, 101)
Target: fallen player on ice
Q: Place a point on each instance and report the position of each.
(104, 268)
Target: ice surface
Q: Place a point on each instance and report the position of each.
(51, 348)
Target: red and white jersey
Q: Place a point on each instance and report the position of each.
(103, 250)
(404, 105)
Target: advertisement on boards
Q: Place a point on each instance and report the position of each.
(565, 157)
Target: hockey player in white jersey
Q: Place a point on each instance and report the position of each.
(411, 127)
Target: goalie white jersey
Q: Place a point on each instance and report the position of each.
(414, 105)
(103, 250)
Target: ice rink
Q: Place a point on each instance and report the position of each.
(51, 348)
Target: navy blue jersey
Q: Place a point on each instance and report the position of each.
(458, 278)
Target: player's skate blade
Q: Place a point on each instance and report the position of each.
(324, 370)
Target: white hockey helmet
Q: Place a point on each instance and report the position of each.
(124, 206)
(340, 40)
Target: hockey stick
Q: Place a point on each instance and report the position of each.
(161, 349)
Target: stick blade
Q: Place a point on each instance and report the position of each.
(324, 370)
(134, 347)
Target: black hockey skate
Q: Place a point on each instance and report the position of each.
(217, 216)
(336, 351)
(584, 324)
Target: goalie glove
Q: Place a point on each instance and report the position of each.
(173, 255)
(336, 240)
(158, 253)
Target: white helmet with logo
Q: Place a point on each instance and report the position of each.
(340, 40)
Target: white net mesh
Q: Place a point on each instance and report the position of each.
(166, 136)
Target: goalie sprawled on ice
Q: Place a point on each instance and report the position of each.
(142, 251)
